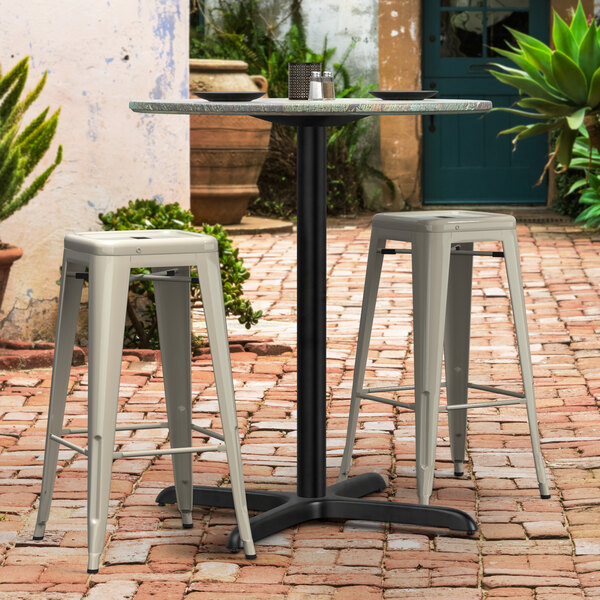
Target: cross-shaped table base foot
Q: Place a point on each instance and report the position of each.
(342, 501)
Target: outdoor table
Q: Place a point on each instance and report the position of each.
(313, 499)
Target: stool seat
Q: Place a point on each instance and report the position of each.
(136, 242)
(443, 221)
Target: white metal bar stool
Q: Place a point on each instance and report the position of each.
(442, 262)
(109, 256)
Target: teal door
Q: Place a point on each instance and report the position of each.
(464, 162)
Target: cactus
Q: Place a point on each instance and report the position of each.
(22, 148)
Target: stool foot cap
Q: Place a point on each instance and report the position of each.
(38, 538)
(457, 474)
(188, 525)
(250, 556)
(92, 571)
(545, 496)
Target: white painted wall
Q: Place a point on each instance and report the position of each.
(99, 55)
(343, 23)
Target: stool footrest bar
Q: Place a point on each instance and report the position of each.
(392, 388)
(495, 390)
(479, 405)
(208, 432)
(69, 444)
(186, 450)
(411, 406)
(132, 454)
(161, 425)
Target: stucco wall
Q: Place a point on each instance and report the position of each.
(99, 55)
(344, 23)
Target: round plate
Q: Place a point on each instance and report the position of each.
(229, 96)
(408, 95)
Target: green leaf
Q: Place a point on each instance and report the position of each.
(579, 25)
(569, 77)
(535, 129)
(523, 63)
(589, 53)
(520, 113)
(564, 146)
(579, 183)
(564, 41)
(541, 59)
(575, 120)
(10, 102)
(528, 39)
(593, 98)
(515, 129)
(547, 108)
(594, 181)
(526, 85)
(17, 71)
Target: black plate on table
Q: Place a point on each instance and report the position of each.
(229, 96)
(407, 95)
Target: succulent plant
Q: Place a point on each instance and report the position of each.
(560, 87)
(22, 148)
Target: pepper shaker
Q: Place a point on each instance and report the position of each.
(327, 83)
(315, 91)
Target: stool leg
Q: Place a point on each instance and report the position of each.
(109, 284)
(66, 326)
(209, 274)
(513, 271)
(456, 351)
(374, 263)
(430, 266)
(174, 330)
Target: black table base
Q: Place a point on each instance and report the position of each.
(286, 509)
(314, 500)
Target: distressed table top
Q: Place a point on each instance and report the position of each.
(284, 107)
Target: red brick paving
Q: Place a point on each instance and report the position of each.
(526, 548)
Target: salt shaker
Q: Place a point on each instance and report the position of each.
(315, 91)
(327, 83)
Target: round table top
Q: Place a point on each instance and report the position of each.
(282, 107)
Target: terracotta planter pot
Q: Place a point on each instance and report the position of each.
(7, 257)
(226, 152)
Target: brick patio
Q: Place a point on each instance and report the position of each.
(526, 548)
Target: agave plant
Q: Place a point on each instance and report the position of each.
(561, 86)
(21, 149)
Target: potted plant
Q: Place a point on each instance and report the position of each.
(560, 87)
(21, 149)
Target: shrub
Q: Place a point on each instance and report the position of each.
(142, 329)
